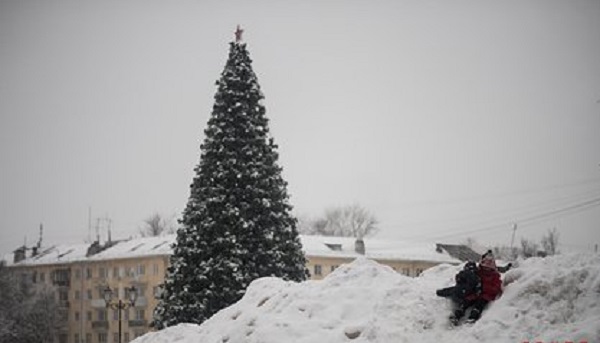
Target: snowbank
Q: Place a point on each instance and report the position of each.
(547, 300)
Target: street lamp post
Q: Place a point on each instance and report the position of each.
(120, 304)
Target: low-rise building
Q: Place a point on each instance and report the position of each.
(80, 274)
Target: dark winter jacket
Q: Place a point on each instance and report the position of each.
(491, 285)
(467, 283)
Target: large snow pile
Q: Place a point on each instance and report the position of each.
(547, 300)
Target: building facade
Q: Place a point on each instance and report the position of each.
(79, 275)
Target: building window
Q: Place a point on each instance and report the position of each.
(116, 272)
(60, 277)
(102, 315)
(102, 337)
(419, 271)
(141, 269)
(76, 338)
(63, 338)
(63, 295)
(318, 270)
(42, 277)
(141, 291)
(77, 274)
(88, 273)
(89, 294)
(155, 269)
(406, 271)
(115, 314)
(77, 318)
(89, 316)
(102, 273)
(126, 313)
(77, 295)
(334, 267)
(88, 338)
(139, 314)
(116, 337)
(126, 337)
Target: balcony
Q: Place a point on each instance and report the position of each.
(100, 324)
(138, 323)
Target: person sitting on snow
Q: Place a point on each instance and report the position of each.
(467, 283)
(490, 289)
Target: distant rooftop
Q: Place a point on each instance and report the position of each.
(328, 246)
(461, 252)
(313, 246)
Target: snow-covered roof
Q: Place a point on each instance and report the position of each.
(138, 247)
(314, 246)
(63, 253)
(344, 247)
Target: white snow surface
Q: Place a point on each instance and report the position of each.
(547, 300)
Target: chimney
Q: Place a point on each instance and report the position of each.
(20, 254)
(359, 246)
(93, 249)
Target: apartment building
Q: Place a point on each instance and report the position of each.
(80, 274)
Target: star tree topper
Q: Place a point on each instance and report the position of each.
(238, 34)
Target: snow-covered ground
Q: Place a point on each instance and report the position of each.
(556, 299)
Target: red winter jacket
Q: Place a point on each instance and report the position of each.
(491, 286)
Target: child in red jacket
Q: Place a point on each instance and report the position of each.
(491, 289)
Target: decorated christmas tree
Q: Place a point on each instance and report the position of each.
(237, 225)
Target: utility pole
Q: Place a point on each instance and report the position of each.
(512, 241)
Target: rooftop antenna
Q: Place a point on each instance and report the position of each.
(98, 230)
(90, 224)
(109, 222)
(39, 243)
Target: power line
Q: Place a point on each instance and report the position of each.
(491, 220)
(535, 190)
(522, 210)
(525, 221)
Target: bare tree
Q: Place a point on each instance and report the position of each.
(503, 252)
(346, 221)
(550, 242)
(528, 248)
(156, 225)
(361, 222)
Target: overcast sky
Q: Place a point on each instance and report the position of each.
(446, 119)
